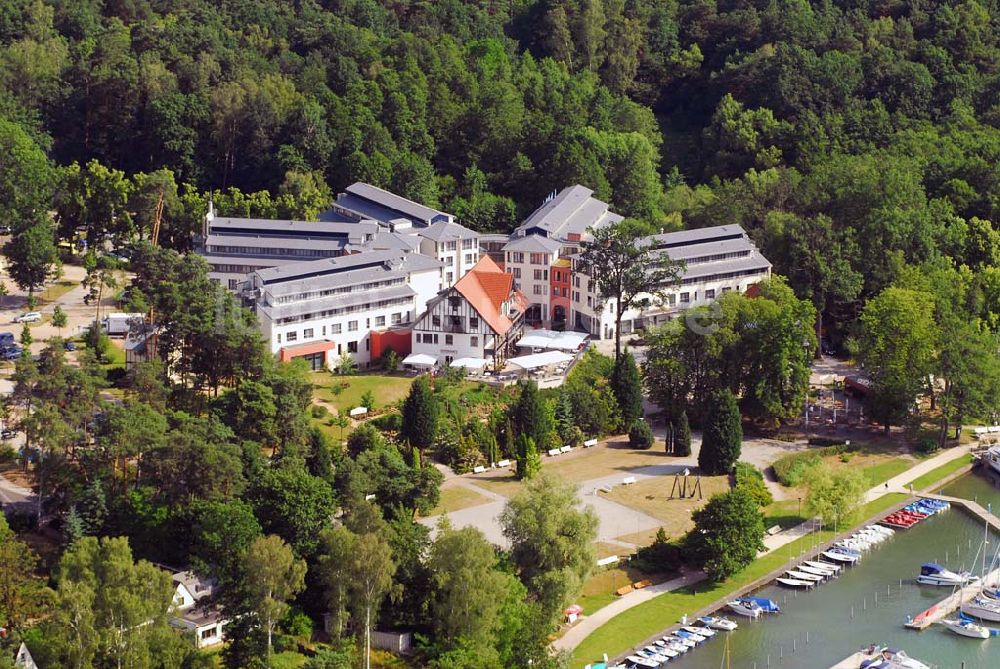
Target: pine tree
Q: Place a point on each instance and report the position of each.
(529, 462)
(722, 439)
(682, 436)
(530, 415)
(627, 387)
(420, 415)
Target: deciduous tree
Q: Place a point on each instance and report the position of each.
(728, 533)
(273, 576)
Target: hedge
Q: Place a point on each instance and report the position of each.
(790, 468)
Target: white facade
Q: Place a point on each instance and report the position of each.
(718, 260)
(194, 612)
(529, 260)
(455, 246)
(335, 304)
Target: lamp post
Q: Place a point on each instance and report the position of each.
(800, 507)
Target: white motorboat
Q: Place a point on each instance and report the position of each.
(932, 573)
(966, 628)
(640, 661)
(672, 644)
(656, 651)
(837, 556)
(794, 582)
(699, 631)
(890, 658)
(718, 623)
(804, 576)
(745, 608)
(815, 571)
(680, 640)
(697, 638)
(992, 458)
(823, 565)
(983, 608)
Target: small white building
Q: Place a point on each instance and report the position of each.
(454, 245)
(323, 309)
(480, 317)
(194, 611)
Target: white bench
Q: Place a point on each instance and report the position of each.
(478, 470)
(590, 443)
(771, 531)
(554, 452)
(628, 480)
(608, 560)
(503, 463)
(565, 449)
(358, 411)
(606, 489)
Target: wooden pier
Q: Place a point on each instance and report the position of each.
(852, 661)
(949, 604)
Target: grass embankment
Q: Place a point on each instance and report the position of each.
(640, 623)
(938, 473)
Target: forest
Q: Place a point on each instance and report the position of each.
(857, 142)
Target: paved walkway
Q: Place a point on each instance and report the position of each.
(582, 629)
(14, 495)
(576, 634)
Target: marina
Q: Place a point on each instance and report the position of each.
(869, 602)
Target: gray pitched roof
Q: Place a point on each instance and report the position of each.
(533, 244)
(698, 235)
(343, 272)
(394, 241)
(320, 304)
(363, 192)
(446, 231)
(572, 212)
(281, 228)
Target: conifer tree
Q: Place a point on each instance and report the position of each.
(723, 436)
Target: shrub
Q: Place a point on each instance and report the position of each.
(927, 445)
(390, 422)
(825, 441)
(660, 556)
(751, 479)
(319, 411)
(789, 469)
(640, 435)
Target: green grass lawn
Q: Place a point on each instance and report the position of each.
(643, 621)
(56, 290)
(288, 660)
(883, 471)
(785, 513)
(938, 473)
(457, 498)
(387, 389)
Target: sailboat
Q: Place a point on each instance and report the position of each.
(981, 605)
(967, 628)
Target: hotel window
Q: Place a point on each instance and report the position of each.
(233, 283)
(324, 330)
(279, 337)
(307, 333)
(671, 299)
(449, 246)
(449, 340)
(538, 290)
(380, 321)
(710, 294)
(335, 328)
(468, 244)
(685, 298)
(589, 301)
(397, 318)
(517, 272)
(516, 257)
(555, 290)
(448, 276)
(537, 258)
(292, 336)
(473, 341)
(726, 289)
(352, 347)
(368, 323)
(352, 326)
(473, 322)
(436, 321)
(470, 258)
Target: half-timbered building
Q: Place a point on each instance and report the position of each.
(481, 316)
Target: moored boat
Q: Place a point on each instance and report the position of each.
(794, 582)
(815, 571)
(932, 573)
(966, 628)
(745, 608)
(823, 565)
(837, 556)
(718, 623)
(890, 658)
(983, 608)
(803, 576)
(699, 631)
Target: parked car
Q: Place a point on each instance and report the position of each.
(29, 317)
(6, 339)
(10, 353)
(69, 346)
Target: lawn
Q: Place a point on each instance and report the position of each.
(387, 389)
(599, 590)
(615, 458)
(785, 513)
(643, 621)
(287, 660)
(883, 471)
(56, 290)
(651, 496)
(456, 498)
(938, 473)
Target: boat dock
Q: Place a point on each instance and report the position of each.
(949, 604)
(852, 661)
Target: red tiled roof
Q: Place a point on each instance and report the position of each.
(486, 287)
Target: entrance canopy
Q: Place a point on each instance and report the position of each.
(469, 363)
(540, 359)
(420, 360)
(563, 341)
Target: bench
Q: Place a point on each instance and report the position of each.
(358, 411)
(639, 585)
(554, 452)
(590, 443)
(503, 463)
(604, 488)
(623, 590)
(628, 480)
(771, 531)
(565, 449)
(478, 470)
(603, 562)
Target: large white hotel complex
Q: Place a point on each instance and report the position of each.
(381, 272)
